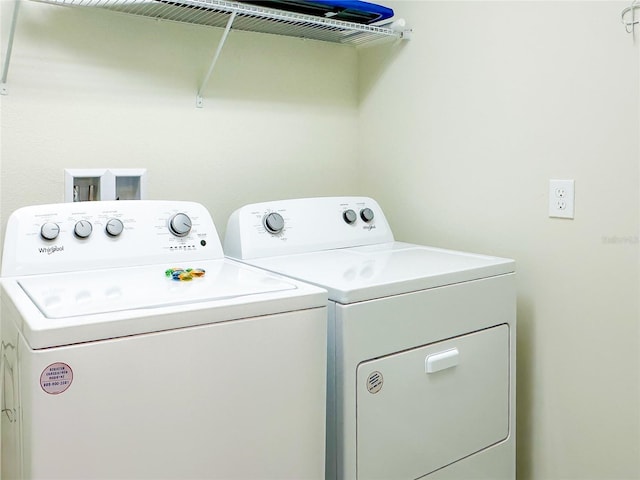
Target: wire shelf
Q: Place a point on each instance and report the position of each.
(216, 13)
(227, 14)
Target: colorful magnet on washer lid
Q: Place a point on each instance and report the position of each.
(184, 275)
(197, 272)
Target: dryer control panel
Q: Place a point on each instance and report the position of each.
(305, 225)
(82, 236)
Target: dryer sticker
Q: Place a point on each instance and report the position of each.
(56, 378)
(374, 382)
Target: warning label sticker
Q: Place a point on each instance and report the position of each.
(56, 378)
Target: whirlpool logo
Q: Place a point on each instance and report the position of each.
(50, 250)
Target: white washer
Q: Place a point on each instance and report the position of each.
(421, 377)
(113, 370)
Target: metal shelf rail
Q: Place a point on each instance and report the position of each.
(239, 16)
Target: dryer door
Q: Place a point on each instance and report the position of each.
(423, 409)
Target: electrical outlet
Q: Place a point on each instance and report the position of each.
(561, 198)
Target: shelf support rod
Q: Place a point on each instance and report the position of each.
(225, 34)
(7, 55)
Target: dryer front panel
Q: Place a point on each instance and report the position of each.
(428, 407)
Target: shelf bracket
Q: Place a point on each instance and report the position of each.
(7, 55)
(225, 34)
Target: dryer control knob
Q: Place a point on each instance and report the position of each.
(180, 225)
(366, 214)
(273, 222)
(49, 231)
(83, 229)
(114, 227)
(349, 216)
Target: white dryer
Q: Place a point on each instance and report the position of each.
(421, 364)
(115, 366)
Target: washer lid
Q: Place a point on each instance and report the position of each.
(364, 273)
(104, 291)
(69, 308)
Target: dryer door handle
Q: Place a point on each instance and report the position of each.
(441, 360)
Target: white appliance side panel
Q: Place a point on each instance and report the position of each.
(234, 400)
(429, 407)
(332, 428)
(376, 328)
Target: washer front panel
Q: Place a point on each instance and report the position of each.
(218, 401)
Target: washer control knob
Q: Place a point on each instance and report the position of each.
(49, 231)
(349, 216)
(114, 227)
(273, 222)
(366, 214)
(83, 229)
(180, 225)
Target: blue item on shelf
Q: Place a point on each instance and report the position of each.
(345, 10)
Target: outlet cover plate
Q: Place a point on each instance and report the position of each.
(561, 198)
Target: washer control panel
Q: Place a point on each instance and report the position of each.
(305, 225)
(90, 235)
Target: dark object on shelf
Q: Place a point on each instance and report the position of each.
(345, 10)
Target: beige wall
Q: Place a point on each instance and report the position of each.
(456, 133)
(488, 102)
(93, 89)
